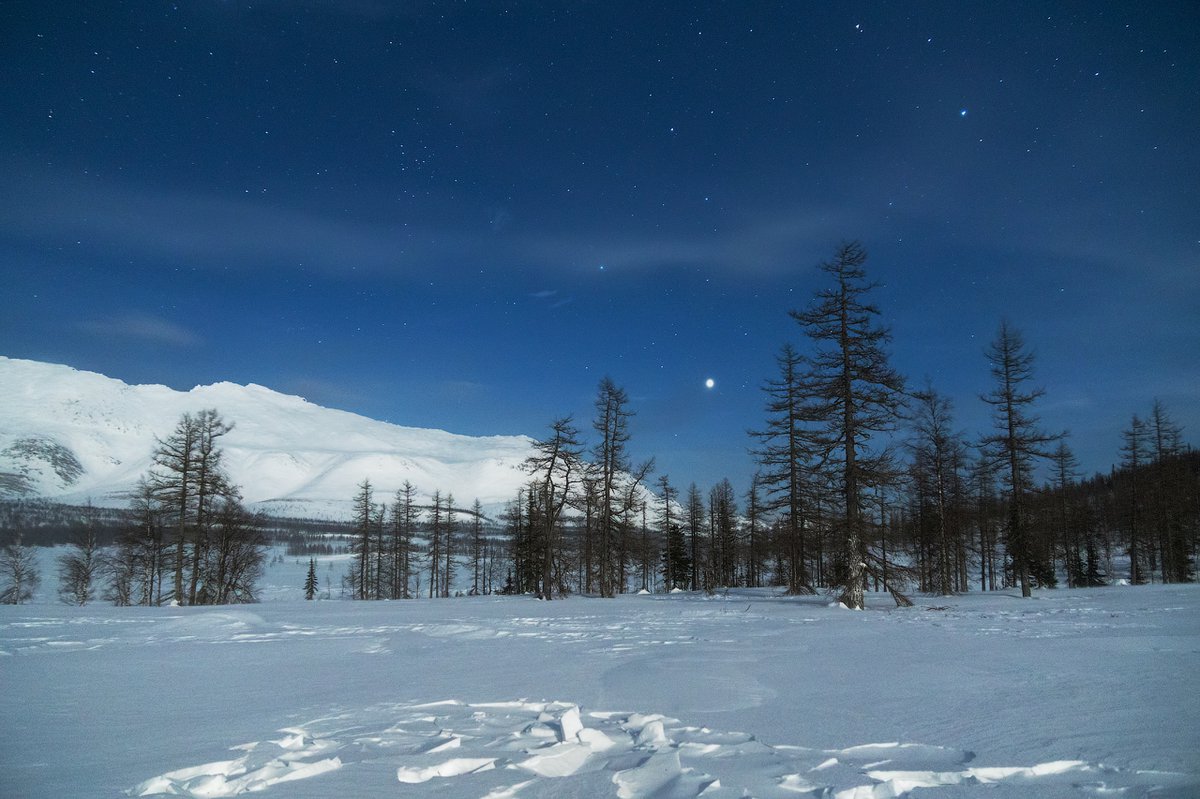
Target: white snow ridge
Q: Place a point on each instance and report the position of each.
(503, 750)
(76, 437)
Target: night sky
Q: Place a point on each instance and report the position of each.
(464, 215)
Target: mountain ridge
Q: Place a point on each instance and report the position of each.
(76, 436)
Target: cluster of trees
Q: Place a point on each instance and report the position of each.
(390, 560)
(863, 484)
(190, 540)
(187, 539)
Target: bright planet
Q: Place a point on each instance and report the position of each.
(709, 383)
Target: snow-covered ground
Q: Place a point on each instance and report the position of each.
(1072, 693)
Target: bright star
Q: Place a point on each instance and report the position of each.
(962, 113)
(709, 383)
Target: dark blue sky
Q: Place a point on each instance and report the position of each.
(465, 215)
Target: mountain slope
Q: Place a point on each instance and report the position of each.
(76, 436)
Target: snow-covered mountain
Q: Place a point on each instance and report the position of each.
(75, 436)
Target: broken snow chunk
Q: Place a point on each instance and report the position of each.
(595, 740)
(652, 734)
(451, 768)
(570, 725)
(560, 760)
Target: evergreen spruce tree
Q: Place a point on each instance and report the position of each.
(310, 582)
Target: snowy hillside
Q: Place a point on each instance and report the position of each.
(77, 436)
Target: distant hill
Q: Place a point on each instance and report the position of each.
(73, 436)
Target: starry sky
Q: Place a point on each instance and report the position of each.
(464, 215)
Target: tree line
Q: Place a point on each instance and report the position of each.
(862, 484)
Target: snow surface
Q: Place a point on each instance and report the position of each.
(1072, 693)
(289, 456)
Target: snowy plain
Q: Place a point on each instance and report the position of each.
(1089, 692)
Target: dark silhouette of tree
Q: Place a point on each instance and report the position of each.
(1172, 495)
(364, 528)
(611, 424)
(187, 491)
(404, 525)
(1135, 455)
(477, 550)
(188, 478)
(449, 539)
(19, 575)
(723, 523)
(80, 568)
(937, 451)
(310, 581)
(136, 567)
(555, 469)
(787, 450)
(858, 397)
(1018, 440)
(694, 521)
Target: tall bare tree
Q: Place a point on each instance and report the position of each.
(191, 487)
(364, 529)
(404, 525)
(859, 396)
(80, 568)
(612, 462)
(787, 450)
(937, 453)
(19, 575)
(1135, 455)
(1017, 441)
(555, 469)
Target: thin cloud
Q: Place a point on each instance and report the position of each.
(771, 244)
(222, 232)
(144, 328)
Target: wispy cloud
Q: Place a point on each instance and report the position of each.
(249, 232)
(220, 232)
(769, 243)
(144, 328)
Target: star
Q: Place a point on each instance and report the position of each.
(709, 383)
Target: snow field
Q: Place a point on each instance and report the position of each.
(1071, 693)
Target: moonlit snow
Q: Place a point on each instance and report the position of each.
(1073, 693)
(290, 457)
